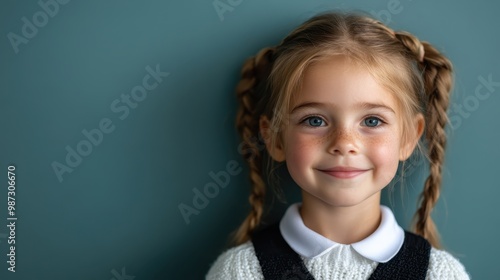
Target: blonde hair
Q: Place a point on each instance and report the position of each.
(413, 71)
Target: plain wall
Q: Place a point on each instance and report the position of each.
(117, 212)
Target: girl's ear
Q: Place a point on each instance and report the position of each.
(277, 152)
(408, 147)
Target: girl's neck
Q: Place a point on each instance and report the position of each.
(345, 225)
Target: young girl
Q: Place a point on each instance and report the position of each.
(342, 101)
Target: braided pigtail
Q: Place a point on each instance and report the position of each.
(250, 93)
(437, 79)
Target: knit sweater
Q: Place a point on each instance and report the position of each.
(342, 262)
(326, 259)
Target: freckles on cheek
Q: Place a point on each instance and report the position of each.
(295, 146)
(299, 148)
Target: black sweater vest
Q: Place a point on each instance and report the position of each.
(279, 261)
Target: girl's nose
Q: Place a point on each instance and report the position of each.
(343, 142)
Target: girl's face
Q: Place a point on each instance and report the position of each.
(342, 144)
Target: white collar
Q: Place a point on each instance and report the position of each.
(380, 246)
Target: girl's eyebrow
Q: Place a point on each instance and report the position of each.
(361, 105)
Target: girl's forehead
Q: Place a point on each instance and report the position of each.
(340, 82)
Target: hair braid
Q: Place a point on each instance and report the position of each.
(253, 75)
(437, 78)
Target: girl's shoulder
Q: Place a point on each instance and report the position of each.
(239, 262)
(442, 265)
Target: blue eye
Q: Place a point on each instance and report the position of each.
(372, 122)
(314, 121)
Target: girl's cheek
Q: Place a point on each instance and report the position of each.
(300, 147)
(384, 151)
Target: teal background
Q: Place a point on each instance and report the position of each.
(118, 209)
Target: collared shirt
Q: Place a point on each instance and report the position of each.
(380, 246)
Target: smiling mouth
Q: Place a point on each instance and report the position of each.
(344, 174)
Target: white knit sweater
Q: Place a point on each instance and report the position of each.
(327, 259)
(342, 262)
